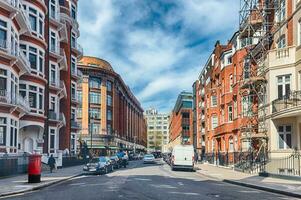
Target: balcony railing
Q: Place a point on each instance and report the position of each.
(53, 115)
(77, 47)
(54, 83)
(282, 56)
(55, 49)
(55, 15)
(18, 100)
(14, 3)
(62, 118)
(74, 124)
(291, 101)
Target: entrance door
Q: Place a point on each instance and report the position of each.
(28, 145)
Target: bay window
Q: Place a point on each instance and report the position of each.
(3, 34)
(36, 20)
(36, 59)
(35, 95)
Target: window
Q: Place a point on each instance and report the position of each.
(3, 82)
(109, 129)
(35, 57)
(13, 133)
(3, 34)
(36, 21)
(214, 122)
(231, 83)
(53, 42)
(73, 140)
(95, 82)
(285, 137)
(52, 103)
(95, 97)
(95, 128)
(73, 65)
(213, 100)
(73, 117)
(281, 42)
(109, 86)
(53, 9)
(283, 86)
(80, 96)
(231, 145)
(94, 113)
(53, 75)
(246, 106)
(109, 100)
(35, 96)
(2, 131)
(52, 140)
(281, 12)
(73, 11)
(79, 112)
(230, 114)
(73, 91)
(73, 40)
(109, 115)
(246, 42)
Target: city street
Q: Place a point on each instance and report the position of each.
(146, 182)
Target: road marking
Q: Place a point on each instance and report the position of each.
(180, 183)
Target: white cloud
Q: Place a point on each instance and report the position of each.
(152, 58)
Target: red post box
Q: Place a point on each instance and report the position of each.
(34, 168)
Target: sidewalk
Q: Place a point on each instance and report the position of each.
(281, 186)
(18, 184)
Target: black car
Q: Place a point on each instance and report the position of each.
(101, 165)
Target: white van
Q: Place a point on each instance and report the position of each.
(182, 157)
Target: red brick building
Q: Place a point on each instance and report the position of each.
(38, 55)
(220, 103)
(111, 117)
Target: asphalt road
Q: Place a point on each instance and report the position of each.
(146, 182)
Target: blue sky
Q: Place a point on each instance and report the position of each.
(157, 46)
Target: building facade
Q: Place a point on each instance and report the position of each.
(157, 130)
(111, 117)
(181, 121)
(35, 80)
(247, 97)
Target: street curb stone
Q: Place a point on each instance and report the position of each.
(267, 189)
(38, 186)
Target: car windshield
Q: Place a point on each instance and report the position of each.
(102, 159)
(149, 156)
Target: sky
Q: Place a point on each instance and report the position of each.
(158, 47)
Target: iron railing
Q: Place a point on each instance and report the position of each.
(290, 101)
(12, 165)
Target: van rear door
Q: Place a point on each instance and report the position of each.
(183, 156)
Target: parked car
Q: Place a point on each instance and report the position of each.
(148, 158)
(115, 162)
(182, 157)
(100, 165)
